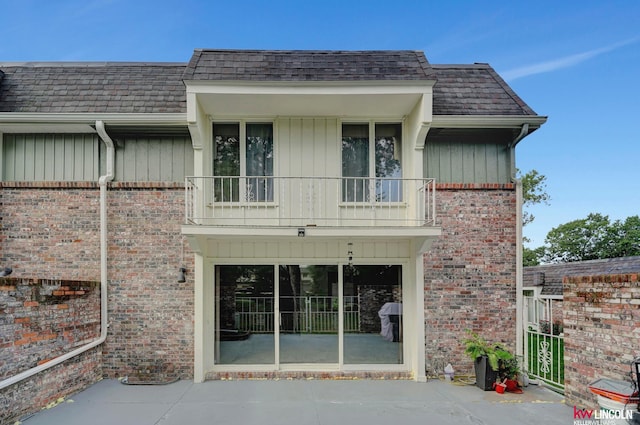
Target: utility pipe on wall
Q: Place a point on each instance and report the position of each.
(102, 182)
(519, 202)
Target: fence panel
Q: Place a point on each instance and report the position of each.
(312, 314)
(544, 358)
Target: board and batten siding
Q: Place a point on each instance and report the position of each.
(375, 251)
(307, 147)
(156, 159)
(463, 162)
(81, 157)
(50, 157)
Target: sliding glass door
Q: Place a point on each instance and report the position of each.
(372, 314)
(245, 315)
(300, 319)
(308, 314)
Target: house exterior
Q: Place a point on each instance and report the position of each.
(333, 213)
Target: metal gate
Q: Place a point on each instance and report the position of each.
(544, 357)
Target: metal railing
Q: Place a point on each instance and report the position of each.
(302, 201)
(308, 314)
(544, 358)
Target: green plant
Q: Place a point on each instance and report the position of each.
(476, 346)
(509, 368)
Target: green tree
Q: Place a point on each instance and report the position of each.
(534, 191)
(591, 238)
(622, 239)
(532, 257)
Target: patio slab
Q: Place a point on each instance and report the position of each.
(302, 402)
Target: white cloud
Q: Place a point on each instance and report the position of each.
(565, 62)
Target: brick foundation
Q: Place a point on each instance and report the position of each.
(601, 315)
(470, 274)
(309, 375)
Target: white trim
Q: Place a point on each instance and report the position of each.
(256, 232)
(310, 87)
(91, 118)
(486, 121)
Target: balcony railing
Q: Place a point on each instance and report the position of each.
(309, 201)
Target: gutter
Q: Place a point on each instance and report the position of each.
(519, 269)
(103, 272)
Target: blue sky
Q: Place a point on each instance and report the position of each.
(576, 62)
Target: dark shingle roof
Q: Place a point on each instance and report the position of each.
(550, 275)
(112, 87)
(474, 90)
(92, 87)
(307, 65)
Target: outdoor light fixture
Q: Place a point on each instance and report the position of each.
(301, 232)
(182, 276)
(350, 254)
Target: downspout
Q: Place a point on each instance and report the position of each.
(519, 202)
(102, 182)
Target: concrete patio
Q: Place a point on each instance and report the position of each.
(302, 402)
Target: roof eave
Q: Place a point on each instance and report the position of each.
(487, 121)
(35, 122)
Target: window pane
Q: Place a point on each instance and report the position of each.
(373, 314)
(308, 314)
(226, 162)
(388, 153)
(245, 315)
(259, 162)
(355, 162)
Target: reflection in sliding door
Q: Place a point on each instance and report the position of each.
(308, 314)
(244, 315)
(372, 314)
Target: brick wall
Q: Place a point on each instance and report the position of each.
(601, 315)
(51, 231)
(40, 320)
(470, 273)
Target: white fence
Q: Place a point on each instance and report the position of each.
(544, 358)
(309, 314)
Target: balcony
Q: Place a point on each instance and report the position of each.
(309, 201)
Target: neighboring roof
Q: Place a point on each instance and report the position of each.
(113, 87)
(92, 87)
(549, 276)
(307, 65)
(474, 90)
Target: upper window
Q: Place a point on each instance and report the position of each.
(243, 162)
(371, 162)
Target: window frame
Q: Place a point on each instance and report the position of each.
(371, 124)
(243, 178)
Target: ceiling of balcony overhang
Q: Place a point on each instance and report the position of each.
(274, 104)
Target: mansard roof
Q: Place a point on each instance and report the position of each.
(92, 87)
(119, 87)
(307, 65)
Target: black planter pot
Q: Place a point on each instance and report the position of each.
(485, 376)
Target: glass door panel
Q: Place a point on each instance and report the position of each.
(245, 311)
(308, 314)
(372, 298)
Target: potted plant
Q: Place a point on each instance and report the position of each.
(486, 358)
(508, 371)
